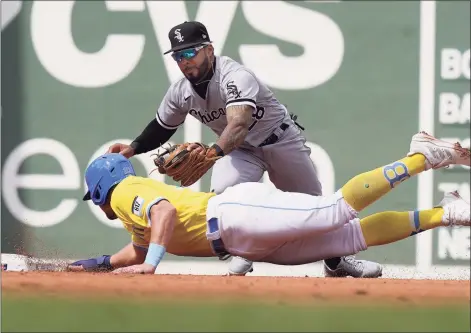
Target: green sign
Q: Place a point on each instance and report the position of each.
(452, 115)
(78, 76)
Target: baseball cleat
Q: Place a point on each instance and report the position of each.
(240, 266)
(457, 211)
(349, 266)
(438, 153)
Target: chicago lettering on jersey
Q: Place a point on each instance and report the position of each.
(208, 116)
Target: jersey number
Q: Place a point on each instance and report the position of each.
(258, 114)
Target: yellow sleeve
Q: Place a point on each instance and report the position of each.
(141, 205)
(137, 202)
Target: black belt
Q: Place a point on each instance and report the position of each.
(273, 138)
(217, 244)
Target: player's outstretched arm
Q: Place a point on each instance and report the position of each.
(239, 118)
(168, 118)
(163, 217)
(127, 256)
(152, 137)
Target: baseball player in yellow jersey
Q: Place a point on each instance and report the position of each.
(133, 200)
(261, 223)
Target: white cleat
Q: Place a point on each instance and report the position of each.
(240, 266)
(438, 153)
(350, 266)
(457, 211)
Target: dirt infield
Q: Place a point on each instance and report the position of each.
(282, 288)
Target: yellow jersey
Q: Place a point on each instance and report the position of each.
(133, 198)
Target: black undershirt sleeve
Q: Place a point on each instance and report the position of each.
(152, 137)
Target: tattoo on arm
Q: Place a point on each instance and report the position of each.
(239, 118)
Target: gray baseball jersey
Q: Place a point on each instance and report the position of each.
(231, 84)
(287, 161)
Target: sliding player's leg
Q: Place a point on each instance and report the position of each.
(388, 227)
(426, 152)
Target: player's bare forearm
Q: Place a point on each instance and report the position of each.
(127, 256)
(163, 218)
(239, 118)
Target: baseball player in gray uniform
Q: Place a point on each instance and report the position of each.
(255, 131)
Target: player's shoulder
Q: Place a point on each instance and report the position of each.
(122, 188)
(136, 184)
(130, 180)
(132, 184)
(121, 193)
(230, 68)
(229, 65)
(133, 187)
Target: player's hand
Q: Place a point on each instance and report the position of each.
(125, 150)
(135, 269)
(101, 263)
(196, 148)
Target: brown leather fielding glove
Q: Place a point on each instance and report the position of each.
(184, 166)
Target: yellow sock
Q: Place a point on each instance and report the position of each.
(364, 189)
(388, 227)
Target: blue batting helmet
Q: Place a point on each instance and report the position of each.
(103, 173)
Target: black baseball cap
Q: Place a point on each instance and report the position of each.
(186, 35)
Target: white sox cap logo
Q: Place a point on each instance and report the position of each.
(178, 35)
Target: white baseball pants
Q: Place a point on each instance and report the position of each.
(261, 223)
